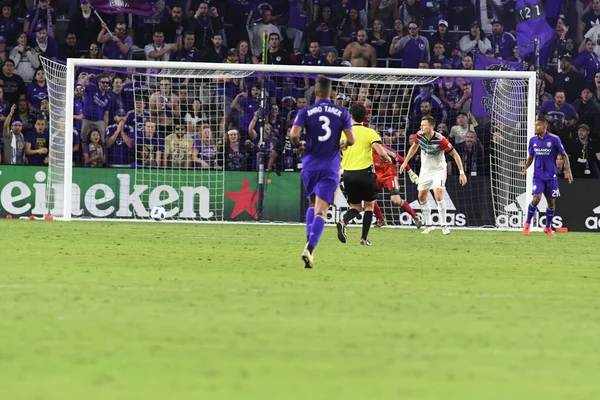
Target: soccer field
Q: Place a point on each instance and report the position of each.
(95, 310)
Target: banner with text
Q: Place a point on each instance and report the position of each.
(113, 193)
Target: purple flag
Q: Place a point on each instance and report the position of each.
(532, 24)
(483, 89)
(136, 7)
(553, 8)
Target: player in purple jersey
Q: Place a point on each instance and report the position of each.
(323, 123)
(545, 147)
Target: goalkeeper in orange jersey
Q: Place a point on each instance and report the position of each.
(387, 176)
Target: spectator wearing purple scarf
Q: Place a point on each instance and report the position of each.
(40, 14)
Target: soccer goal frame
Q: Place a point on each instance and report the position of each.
(187, 69)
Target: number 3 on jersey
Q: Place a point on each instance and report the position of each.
(325, 122)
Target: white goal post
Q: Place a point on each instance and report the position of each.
(62, 84)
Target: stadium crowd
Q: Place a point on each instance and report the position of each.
(177, 123)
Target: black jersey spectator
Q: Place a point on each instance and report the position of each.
(275, 55)
(568, 80)
(204, 26)
(217, 52)
(86, 25)
(584, 154)
(12, 84)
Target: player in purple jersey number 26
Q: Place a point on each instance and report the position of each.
(543, 149)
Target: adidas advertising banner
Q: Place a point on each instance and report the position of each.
(578, 208)
(467, 206)
(579, 205)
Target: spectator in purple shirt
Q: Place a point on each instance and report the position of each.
(300, 15)
(414, 46)
(96, 105)
(94, 154)
(117, 97)
(38, 89)
(9, 26)
(78, 108)
(587, 61)
(349, 28)
(247, 105)
(13, 152)
(138, 117)
(314, 57)
(559, 114)
(324, 30)
(149, 147)
(359, 6)
(118, 45)
(120, 140)
(205, 152)
(4, 106)
(40, 14)
(502, 42)
(43, 44)
(188, 52)
(37, 142)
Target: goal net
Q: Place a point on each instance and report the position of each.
(209, 142)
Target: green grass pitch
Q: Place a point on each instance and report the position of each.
(95, 310)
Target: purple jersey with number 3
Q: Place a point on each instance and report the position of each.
(323, 123)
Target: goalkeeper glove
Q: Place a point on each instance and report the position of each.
(414, 178)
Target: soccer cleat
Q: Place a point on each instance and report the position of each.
(445, 230)
(548, 231)
(417, 221)
(365, 242)
(428, 230)
(380, 223)
(308, 258)
(526, 228)
(341, 228)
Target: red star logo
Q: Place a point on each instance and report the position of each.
(245, 200)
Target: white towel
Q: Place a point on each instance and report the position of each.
(13, 145)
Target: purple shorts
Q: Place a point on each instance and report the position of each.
(321, 183)
(549, 187)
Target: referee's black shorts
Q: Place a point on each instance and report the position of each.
(360, 185)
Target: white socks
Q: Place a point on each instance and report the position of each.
(426, 211)
(441, 206)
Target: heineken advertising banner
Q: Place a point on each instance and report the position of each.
(113, 193)
(202, 195)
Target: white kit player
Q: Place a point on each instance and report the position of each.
(433, 172)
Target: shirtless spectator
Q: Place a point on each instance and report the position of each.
(360, 53)
(164, 106)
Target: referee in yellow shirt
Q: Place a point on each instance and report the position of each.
(360, 181)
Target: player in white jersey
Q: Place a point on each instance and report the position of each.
(433, 170)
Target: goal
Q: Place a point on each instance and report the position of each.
(209, 141)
